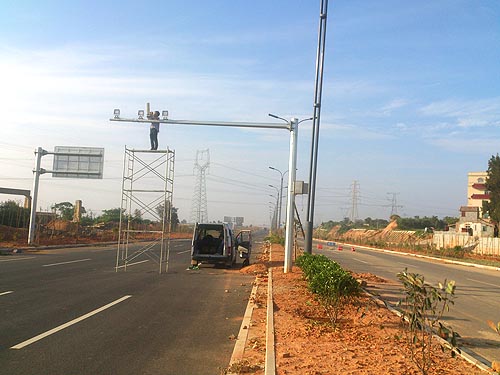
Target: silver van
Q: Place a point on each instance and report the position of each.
(213, 243)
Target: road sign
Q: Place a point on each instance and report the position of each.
(78, 162)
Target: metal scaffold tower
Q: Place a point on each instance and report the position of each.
(199, 212)
(147, 192)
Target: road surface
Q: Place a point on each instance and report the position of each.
(68, 312)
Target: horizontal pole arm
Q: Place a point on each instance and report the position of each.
(261, 125)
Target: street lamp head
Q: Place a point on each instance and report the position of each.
(279, 118)
(116, 112)
(306, 119)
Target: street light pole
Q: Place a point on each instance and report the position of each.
(278, 206)
(276, 210)
(282, 174)
(318, 88)
(290, 204)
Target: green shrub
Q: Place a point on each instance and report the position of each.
(276, 238)
(333, 286)
(422, 310)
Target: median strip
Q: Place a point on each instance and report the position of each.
(73, 261)
(68, 324)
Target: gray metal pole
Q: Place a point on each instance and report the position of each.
(280, 200)
(31, 233)
(292, 170)
(320, 58)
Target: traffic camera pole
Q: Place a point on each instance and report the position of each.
(291, 125)
(290, 221)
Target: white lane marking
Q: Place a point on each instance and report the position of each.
(66, 325)
(407, 265)
(482, 282)
(73, 261)
(362, 261)
(4, 293)
(11, 260)
(182, 252)
(133, 264)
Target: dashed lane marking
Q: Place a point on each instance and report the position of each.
(73, 261)
(4, 293)
(68, 324)
(362, 261)
(11, 260)
(482, 282)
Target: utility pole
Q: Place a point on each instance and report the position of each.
(318, 89)
(36, 179)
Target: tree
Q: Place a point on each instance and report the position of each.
(492, 208)
(13, 215)
(112, 214)
(64, 209)
(174, 218)
(137, 216)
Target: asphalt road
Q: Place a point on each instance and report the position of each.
(93, 320)
(477, 294)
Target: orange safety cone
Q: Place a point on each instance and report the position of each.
(339, 248)
(320, 246)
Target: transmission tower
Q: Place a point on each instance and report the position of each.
(199, 212)
(354, 201)
(394, 204)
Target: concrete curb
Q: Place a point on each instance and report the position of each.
(444, 260)
(239, 346)
(270, 368)
(466, 356)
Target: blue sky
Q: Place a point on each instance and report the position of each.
(411, 98)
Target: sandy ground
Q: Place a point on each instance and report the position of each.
(367, 341)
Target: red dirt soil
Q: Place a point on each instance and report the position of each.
(366, 341)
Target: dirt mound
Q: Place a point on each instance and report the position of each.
(254, 269)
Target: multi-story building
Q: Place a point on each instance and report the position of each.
(476, 190)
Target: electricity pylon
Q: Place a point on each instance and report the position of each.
(199, 212)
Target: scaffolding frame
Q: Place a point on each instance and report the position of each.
(147, 184)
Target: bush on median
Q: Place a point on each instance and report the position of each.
(333, 286)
